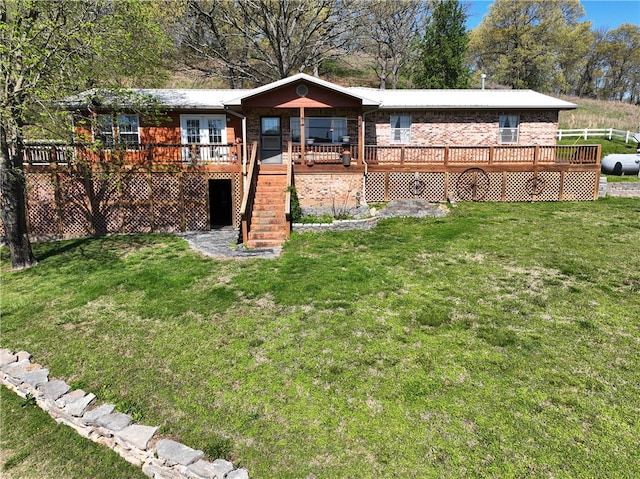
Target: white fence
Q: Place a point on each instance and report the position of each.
(608, 133)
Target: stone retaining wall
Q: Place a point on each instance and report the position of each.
(160, 458)
(337, 225)
(628, 190)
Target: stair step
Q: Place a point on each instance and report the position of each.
(268, 201)
(268, 220)
(264, 243)
(276, 197)
(267, 228)
(266, 235)
(268, 205)
(263, 216)
(267, 212)
(273, 169)
(273, 179)
(270, 190)
(278, 209)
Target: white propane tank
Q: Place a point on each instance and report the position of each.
(620, 164)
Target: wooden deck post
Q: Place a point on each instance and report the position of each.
(360, 158)
(303, 141)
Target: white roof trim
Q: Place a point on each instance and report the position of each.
(190, 99)
(464, 99)
(301, 77)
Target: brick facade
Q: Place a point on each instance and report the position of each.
(469, 128)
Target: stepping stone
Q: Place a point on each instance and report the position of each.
(114, 421)
(90, 417)
(217, 469)
(23, 355)
(77, 408)
(35, 377)
(54, 389)
(137, 435)
(16, 368)
(177, 453)
(7, 357)
(70, 397)
(238, 474)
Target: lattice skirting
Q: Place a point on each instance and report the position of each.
(60, 204)
(482, 186)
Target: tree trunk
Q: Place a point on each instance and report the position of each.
(13, 211)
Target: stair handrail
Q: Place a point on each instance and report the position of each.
(250, 183)
(287, 197)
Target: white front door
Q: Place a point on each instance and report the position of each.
(206, 137)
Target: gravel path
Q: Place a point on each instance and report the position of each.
(223, 242)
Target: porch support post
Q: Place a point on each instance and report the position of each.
(360, 139)
(303, 141)
(244, 150)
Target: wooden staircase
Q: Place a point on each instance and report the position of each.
(269, 227)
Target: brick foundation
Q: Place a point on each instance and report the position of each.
(332, 190)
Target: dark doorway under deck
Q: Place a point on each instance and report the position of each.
(220, 203)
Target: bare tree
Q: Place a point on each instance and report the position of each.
(389, 30)
(257, 41)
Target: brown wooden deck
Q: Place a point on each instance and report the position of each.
(79, 190)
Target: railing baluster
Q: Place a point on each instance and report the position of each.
(401, 155)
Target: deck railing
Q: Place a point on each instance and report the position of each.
(134, 154)
(481, 155)
(327, 154)
(182, 154)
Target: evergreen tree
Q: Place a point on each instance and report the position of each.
(443, 48)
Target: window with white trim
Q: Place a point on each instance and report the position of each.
(509, 128)
(105, 131)
(400, 129)
(204, 129)
(129, 129)
(125, 130)
(319, 128)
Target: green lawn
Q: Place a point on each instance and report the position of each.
(500, 341)
(33, 446)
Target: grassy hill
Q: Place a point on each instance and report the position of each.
(600, 114)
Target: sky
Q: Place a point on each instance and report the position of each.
(602, 13)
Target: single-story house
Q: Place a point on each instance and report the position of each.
(230, 157)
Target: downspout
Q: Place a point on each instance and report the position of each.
(244, 143)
